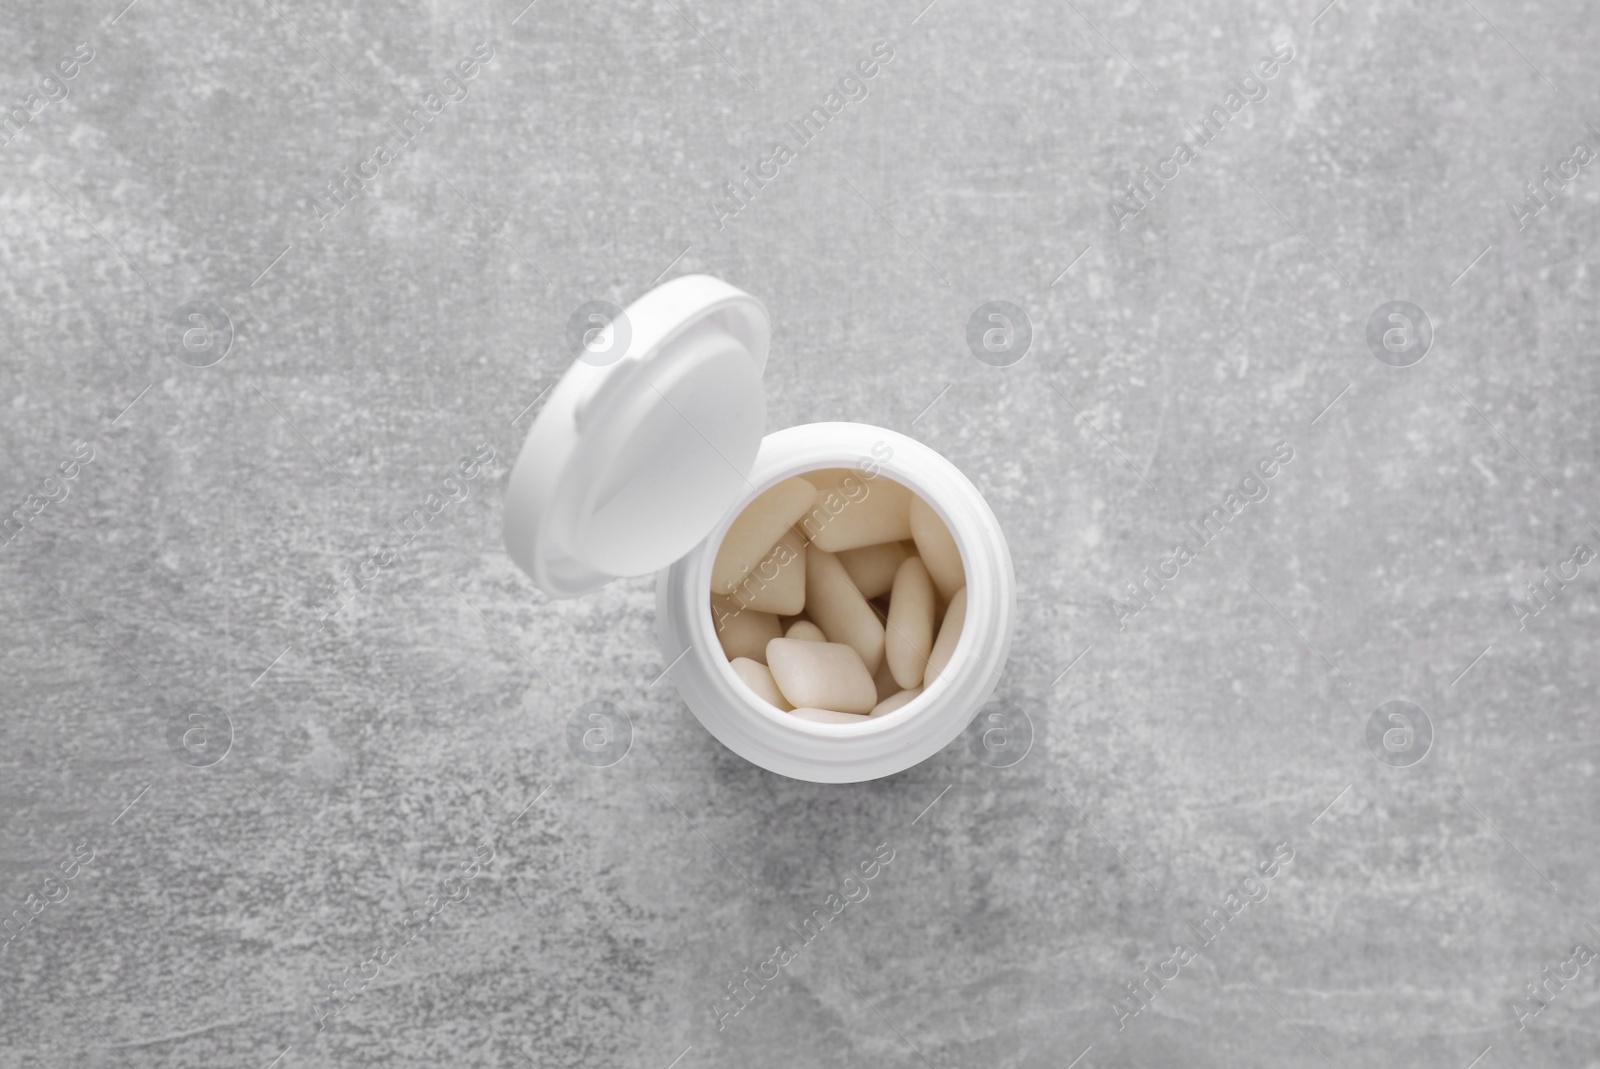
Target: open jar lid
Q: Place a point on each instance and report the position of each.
(646, 442)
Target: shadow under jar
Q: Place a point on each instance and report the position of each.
(642, 459)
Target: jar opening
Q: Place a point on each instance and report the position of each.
(836, 596)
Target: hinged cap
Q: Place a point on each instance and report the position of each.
(631, 463)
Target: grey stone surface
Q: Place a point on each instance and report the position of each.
(185, 568)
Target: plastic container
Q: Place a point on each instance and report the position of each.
(641, 459)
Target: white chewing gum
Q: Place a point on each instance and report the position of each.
(835, 605)
(851, 510)
(758, 677)
(838, 596)
(949, 632)
(821, 675)
(757, 530)
(908, 638)
(828, 716)
(805, 631)
(883, 679)
(743, 632)
(894, 701)
(937, 549)
(872, 568)
(778, 583)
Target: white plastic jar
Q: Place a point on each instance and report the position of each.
(647, 450)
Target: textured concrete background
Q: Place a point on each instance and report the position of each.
(266, 803)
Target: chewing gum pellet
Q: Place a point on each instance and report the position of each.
(757, 530)
(937, 549)
(778, 583)
(743, 632)
(908, 637)
(821, 675)
(835, 605)
(872, 568)
(852, 510)
(949, 632)
(828, 716)
(758, 677)
(895, 701)
(883, 680)
(805, 631)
